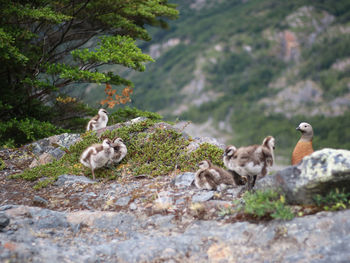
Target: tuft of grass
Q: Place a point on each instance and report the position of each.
(266, 203)
(334, 200)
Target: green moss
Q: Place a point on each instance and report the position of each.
(156, 153)
(205, 151)
(151, 151)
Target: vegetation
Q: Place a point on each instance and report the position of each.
(16, 132)
(152, 151)
(2, 165)
(334, 200)
(47, 45)
(267, 203)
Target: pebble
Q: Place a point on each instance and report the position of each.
(202, 196)
(123, 201)
(184, 180)
(37, 200)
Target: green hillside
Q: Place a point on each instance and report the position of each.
(255, 67)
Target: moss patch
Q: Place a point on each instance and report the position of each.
(152, 151)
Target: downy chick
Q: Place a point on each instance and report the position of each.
(211, 177)
(97, 155)
(251, 162)
(99, 121)
(120, 150)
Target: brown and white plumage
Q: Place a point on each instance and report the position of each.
(97, 155)
(120, 150)
(304, 145)
(228, 154)
(99, 121)
(211, 177)
(250, 162)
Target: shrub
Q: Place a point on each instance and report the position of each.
(206, 151)
(266, 203)
(17, 132)
(334, 200)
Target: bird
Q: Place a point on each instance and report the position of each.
(228, 153)
(120, 150)
(304, 145)
(99, 121)
(211, 177)
(97, 155)
(250, 162)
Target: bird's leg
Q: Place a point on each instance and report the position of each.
(254, 179)
(251, 182)
(93, 174)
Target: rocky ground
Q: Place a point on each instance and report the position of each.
(162, 219)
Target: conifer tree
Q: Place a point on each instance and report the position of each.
(46, 45)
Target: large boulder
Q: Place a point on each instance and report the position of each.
(318, 173)
(42, 235)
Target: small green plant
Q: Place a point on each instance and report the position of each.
(266, 203)
(2, 165)
(226, 211)
(334, 200)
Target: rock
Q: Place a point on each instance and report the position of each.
(37, 200)
(132, 206)
(67, 179)
(162, 221)
(184, 180)
(123, 201)
(43, 235)
(194, 145)
(318, 173)
(119, 125)
(51, 144)
(167, 126)
(44, 158)
(4, 220)
(5, 207)
(136, 120)
(34, 163)
(234, 191)
(202, 196)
